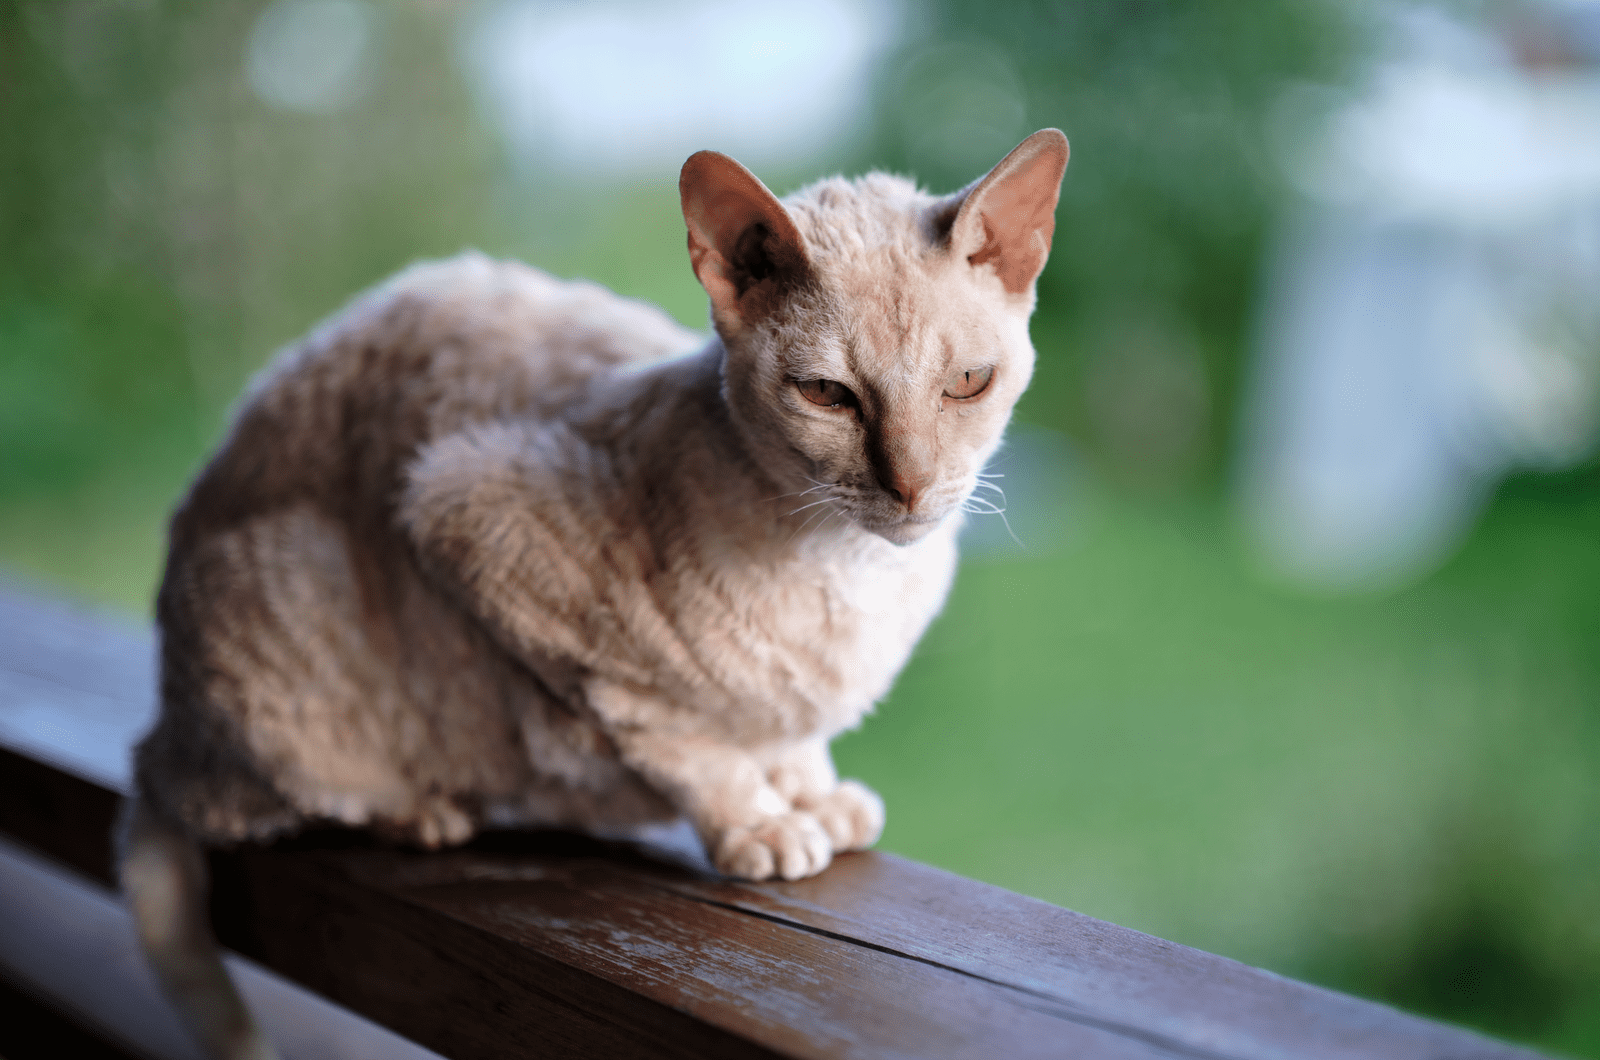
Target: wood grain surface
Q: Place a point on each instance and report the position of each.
(552, 944)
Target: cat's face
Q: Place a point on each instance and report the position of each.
(880, 393)
(876, 336)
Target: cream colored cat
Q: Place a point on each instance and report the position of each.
(481, 551)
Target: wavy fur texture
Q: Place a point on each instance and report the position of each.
(492, 548)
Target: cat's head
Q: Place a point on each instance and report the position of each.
(876, 336)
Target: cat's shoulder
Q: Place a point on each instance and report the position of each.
(473, 297)
(456, 340)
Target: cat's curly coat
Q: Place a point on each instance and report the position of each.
(479, 550)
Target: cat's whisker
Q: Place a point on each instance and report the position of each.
(810, 517)
(993, 488)
(807, 523)
(797, 493)
(1007, 523)
(984, 506)
(990, 509)
(813, 504)
(991, 474)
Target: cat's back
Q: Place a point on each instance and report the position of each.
(291, 611)
(438, 346)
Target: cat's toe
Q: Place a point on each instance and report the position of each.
(851, 814)
(804, 848)
(787, 779)
(442, 823)
(743, 857)
(791, 846)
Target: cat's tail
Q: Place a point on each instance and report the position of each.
(165, 884)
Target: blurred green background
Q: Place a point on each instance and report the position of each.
(1393, 791)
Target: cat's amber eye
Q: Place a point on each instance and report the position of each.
(967, 383)
(826, 392)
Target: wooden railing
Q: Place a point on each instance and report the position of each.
(554, 945)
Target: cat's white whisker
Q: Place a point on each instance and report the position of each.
(1007, 523)
(797, 493)
(805, 524)
(990, 508)
(993, 488)
(812, 516)
(813, 504)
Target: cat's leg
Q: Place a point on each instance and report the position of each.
(750, 831)
(849, 811)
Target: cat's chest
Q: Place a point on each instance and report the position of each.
(839, 626)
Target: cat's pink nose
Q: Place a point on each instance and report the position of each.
(906, 488)
(905, 461)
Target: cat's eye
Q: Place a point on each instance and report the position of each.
(826, 392)
(967, 382)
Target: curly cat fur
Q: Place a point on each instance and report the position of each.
(482, 550)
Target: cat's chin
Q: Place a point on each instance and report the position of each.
(903, 531)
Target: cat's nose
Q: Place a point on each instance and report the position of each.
(906, 485)
(905, 460)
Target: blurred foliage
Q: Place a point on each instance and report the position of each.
(1394, 795)
(165, 231)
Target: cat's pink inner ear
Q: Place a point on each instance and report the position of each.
(1008, 219)
(742, 243)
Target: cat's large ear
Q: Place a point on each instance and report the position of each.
(1008, 217)
(743, 244)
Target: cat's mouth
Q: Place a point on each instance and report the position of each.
(904, 530)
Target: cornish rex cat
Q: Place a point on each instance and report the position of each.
(479, 550)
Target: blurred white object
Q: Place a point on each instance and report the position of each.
(1475, 149)
(313, 56)
(638, 85)
(1433, 318)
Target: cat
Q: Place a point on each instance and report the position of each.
(488, 548)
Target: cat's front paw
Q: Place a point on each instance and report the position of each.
(440, 822)
(792, 846)
(851, 814)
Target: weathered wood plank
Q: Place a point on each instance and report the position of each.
(72, 947)
(463, 992)
(560, 944)
(562, 941)
(1104, 974)
(53, 811)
